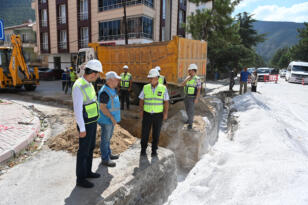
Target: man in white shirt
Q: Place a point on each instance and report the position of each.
(86, 113)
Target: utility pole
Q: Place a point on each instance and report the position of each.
(125, 22)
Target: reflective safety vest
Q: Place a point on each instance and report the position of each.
(90, 106)
(113, 106)
(154, 102)
(73, 76)
(125, 80)
(161, 79)
(190, 88)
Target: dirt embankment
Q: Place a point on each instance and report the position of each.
(68, 140)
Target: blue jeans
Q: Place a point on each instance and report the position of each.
(107, 131)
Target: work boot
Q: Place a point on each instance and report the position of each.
(84, 183)
(189, 127)
(108, 163)
(154, 153)
(113, 157)
(93, 175)
(186, 122)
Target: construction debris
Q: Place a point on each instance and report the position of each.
(68, 140)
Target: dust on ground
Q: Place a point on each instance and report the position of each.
(68, 140)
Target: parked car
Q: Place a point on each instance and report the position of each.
(297, 72)
(251, 70)
(50, 74)
(263, 72)
(283, 73)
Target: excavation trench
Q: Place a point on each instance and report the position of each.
(143, 181)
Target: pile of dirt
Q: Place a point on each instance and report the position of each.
(68, 140)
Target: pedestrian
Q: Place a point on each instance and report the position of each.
(125, 87)
(153, 106)
(232, 81)
(109, 116)
(254, 81)
(73, 77)
(192, 88)
(67, 80)
(243, 80)
(64, 79)
(86, 114)
(161, 79)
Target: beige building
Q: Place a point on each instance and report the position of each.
(65, 26)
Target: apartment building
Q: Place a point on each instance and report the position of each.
(65, 26)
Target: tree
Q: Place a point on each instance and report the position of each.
(281, 58)
(300, 51)
(217, 27)
(249, 36)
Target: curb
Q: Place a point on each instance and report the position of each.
(22, 145)
(50, 99)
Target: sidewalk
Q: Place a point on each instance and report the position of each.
(18, 127)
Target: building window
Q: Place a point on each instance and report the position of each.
(44, 17)
(104, 5)
(84, 37)
(62, 14)
(138, 27)
(181, 18)
(45, 41)
(83, 10)
(63, 39)
(43, 1)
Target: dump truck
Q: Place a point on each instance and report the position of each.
(172, 56)
(14, 72)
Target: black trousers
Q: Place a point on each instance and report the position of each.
(85, 152)
(149, 121)
(253, 88)
(124, 96)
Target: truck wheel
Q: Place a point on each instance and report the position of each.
(30, 87)
(18, 86)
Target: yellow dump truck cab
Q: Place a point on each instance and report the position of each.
(172, 56)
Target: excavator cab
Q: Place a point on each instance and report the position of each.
(14, 73)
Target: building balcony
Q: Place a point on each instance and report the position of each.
(130, 36)
(83, 43)
(44, 23)
(83, 16)
(110, 6)
(63, 45)
(62, 20)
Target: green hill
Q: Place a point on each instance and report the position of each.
(279, 35)
(14, 12)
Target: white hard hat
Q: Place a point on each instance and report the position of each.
(193, 67)
(153, 73)
(112, 74)
(125, 67)
(157, 68)
(95, 65)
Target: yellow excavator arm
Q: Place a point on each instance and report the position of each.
(18, 73)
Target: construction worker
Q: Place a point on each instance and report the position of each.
(153, 106)
(125, 87)
(161, 79)
(86, 114)
(73, 76)
(192, 87)
(109, 116)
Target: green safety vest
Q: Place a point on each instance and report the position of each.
(161, 79)
(125, 80)
(154, 102)
(190, 88)
(73, 76)
(90, 106)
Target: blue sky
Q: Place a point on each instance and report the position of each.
(275, 10)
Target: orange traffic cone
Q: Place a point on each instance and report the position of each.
(303, 81)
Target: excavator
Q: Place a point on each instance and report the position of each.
(14, 72)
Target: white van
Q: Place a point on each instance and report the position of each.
(297, 71)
